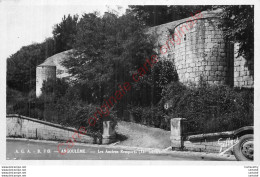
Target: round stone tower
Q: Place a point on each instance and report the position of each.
(44, 72)
(203, 56)
(51, 68)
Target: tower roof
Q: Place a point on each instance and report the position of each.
(56, 59)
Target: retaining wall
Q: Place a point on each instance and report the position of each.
(211, 142)
(217, 143)
(25, 127)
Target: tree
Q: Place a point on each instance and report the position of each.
(238, 26)
(157, 15)
(57, 88)
(107, 50)
(49, 46)
(64, 33)
(21, 66)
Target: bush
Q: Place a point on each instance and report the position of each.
(151, 116)
(210, 108)
(60, 105)
(207, 109)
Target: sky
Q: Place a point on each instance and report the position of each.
(23, 22)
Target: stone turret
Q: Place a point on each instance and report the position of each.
(203, 55)
(51, 68)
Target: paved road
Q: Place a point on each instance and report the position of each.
(42, 150)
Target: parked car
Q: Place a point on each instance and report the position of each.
(244, 148)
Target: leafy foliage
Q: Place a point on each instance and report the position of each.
(21, 66)
(64, 33)
(151, 116)
(108, 50)
(207, 109)
(57, 87)
(210, 109)
(154, 15)
(238, 26)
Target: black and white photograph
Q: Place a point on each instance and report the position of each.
(128, 82)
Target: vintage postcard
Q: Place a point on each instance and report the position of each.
(165, 82)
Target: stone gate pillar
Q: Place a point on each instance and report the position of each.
(109, 133)
(177, 127)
